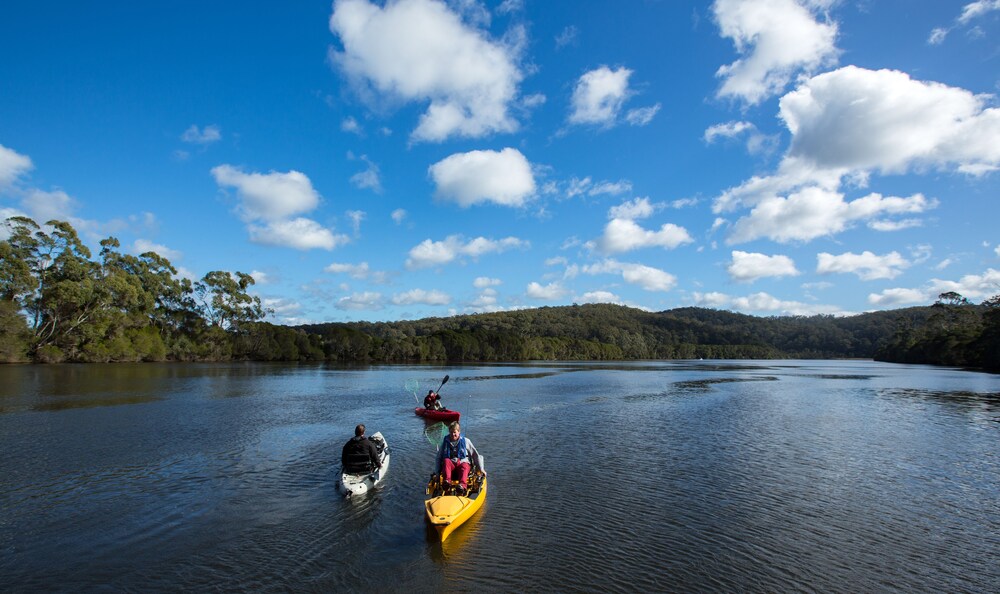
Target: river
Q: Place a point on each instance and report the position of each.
(694, 476)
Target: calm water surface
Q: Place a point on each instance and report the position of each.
(844, 476)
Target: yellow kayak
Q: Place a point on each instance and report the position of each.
(446, 510)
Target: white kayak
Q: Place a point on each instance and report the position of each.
(359, 484)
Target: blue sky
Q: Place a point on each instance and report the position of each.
(399, 160)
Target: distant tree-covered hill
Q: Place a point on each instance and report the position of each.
(605, 331)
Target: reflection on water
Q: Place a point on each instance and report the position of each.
(659, 476)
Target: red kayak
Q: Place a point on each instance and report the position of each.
(437, 415)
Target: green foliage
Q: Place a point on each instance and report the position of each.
(56, 304)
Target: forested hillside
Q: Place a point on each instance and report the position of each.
(58, 304)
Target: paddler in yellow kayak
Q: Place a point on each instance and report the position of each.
(454, 458)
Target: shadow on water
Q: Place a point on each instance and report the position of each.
(705, 384)
(987, 401)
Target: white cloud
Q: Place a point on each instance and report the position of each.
(882, 225)
(269, 196)
(866, 265)
(141, 246)
(12, 165)
(642, 116)
(997, 251)
(369, 178)
(435, 253)
(549, 292)
(398, 216)
(268, 202)
(356, 216)
(756, 142)
(577, 187)
(599, 96)
(351, 125)
(208, 135)
(764, 303)
(420, 50)
(748, 267)
(482, 282)
(976, 9)
(360, 301)
(567, 36)
(727, 130)
(624, 235)
(776, 40)
(260, 278)
(299, 233)
(853, 119)
(503, 177)
(639, 208)
(432, 297)
(814, 212)
(598, 297)
(359, 271)
(46, 206)
(898, 296)
(971, 286)
(647, 277)
(712, 299)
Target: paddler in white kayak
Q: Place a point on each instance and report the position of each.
(359, 454)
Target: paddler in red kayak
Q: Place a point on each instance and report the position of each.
(432, 401)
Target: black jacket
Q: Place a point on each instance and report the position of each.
(359, 456)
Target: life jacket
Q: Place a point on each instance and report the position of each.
(356, 457)
(457, 449)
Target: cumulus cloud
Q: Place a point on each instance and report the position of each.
(776, 40)
(436, 253)
(141, 246)
(299, 233)
(624, 235)
(858, 120)
(598, 297)
(765, 303)
(898, 296)
(549, 292)
(268, 203)
(269, 196)
(432, 297)
(207, 135)
(503, 177)
(866, 265)
(646, 277)
(367, 300)
(12, 165)
(45, 206)
(639, 208)
(360, 271)
(851, 122)
(482, 282)
(971, 286)
(814, 212)
(748, 267)
(599, 95)
(421, 50)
